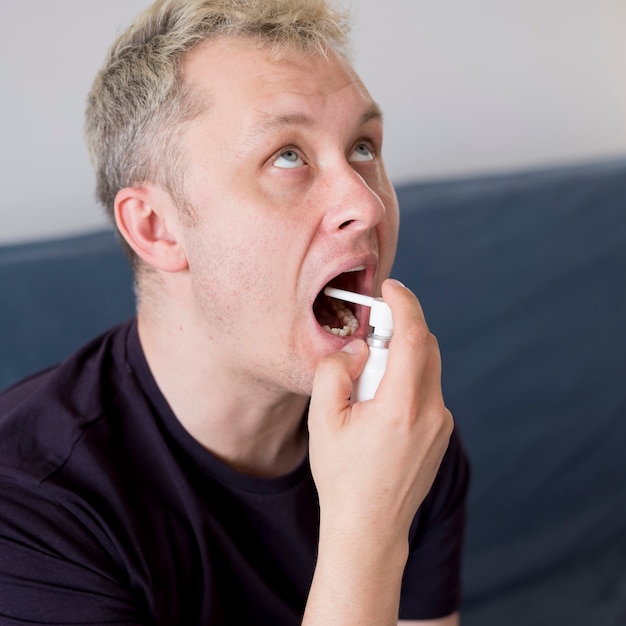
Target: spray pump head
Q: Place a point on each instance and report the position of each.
(380, 314)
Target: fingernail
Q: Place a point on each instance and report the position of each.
(396, 282)
(354, 347)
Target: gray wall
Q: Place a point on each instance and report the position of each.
(467, 87)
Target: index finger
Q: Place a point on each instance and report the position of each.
(412, 346)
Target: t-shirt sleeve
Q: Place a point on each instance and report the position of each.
(431, 587)
(54, 568)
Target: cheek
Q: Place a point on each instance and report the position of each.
(244, 269)
(388, 232)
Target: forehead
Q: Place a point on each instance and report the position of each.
(233, 74)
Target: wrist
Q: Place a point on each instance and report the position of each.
(357, 578)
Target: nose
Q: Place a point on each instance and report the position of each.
(353, 204)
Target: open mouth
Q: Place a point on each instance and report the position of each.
(336, 316)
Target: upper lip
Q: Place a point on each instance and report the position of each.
(368, 263)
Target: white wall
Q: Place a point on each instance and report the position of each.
(492, 85)
(467, 87)
(50, 51)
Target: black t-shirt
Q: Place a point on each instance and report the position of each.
(111, 513)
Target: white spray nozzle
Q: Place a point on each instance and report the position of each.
(380, 314)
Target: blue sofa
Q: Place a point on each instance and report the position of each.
(523, 280)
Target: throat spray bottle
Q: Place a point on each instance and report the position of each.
(378, 341)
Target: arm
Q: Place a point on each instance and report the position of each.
(373, 464)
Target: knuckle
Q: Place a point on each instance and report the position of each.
(441, 422)
(447, 425)
(439, 430)
(419, 337)
(441, 417)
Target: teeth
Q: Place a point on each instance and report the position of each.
(345, 317)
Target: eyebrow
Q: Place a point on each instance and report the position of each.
(269, 124)
(373, 112)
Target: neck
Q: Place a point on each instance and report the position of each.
(253, 429)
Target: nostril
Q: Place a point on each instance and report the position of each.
(345, 224)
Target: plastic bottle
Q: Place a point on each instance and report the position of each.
(378, 340)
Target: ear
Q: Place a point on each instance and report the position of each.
(148, 220)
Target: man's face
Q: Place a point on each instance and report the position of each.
(290, 193)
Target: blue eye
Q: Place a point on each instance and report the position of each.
(361, 153)
(288, 159)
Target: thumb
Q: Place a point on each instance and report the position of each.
(334, 376)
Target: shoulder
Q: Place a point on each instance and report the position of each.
(43, 417)
(442, 517)
(432, 578)
(450, 489)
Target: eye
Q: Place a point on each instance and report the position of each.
(361, 153)
(288, 159)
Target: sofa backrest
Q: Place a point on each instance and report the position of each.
(523, 280)
(56, 295)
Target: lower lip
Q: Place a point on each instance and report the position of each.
(337, 340)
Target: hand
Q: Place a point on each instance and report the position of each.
(374, 462)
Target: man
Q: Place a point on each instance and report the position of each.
(203, 463)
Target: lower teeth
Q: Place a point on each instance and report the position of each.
(345, 317)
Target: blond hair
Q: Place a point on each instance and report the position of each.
(139, 103)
